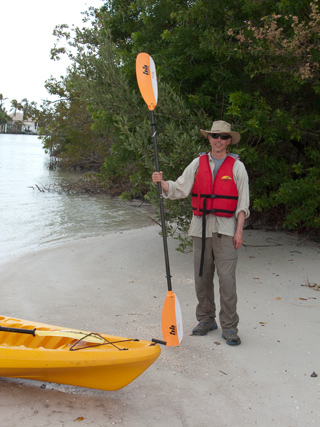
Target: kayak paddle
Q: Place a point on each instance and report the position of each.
(77, 335)
(172, 330)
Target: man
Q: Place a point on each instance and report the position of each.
(218, 183)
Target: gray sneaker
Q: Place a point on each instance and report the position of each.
(204, 327)
(231, 338)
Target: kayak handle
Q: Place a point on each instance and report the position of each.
(155, 340)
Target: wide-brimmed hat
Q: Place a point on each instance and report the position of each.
(220, 126)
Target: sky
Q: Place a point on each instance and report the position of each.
(26, 38)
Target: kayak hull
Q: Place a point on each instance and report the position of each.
(64, 360)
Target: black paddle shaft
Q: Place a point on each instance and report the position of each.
(163, 223)
(18, 330)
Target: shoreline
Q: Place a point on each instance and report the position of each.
(115, 283)
(138, 216)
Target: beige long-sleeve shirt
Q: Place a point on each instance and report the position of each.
(182, 188)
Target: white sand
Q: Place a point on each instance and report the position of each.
(116, 284)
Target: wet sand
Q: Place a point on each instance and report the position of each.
(116, 284)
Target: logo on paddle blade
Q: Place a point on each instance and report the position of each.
(146, 70)
(173, 330)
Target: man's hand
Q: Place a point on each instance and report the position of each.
(237, 238)
(158, 177)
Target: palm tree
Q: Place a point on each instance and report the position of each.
(4, 118)
(1, 100)
(25, 106)
(15, 105)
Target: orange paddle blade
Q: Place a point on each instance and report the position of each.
(147, 79)
(172, 330)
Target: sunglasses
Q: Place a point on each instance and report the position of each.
(218, 135)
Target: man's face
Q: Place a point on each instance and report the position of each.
(219, 142)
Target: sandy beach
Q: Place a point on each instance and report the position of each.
(116, 284)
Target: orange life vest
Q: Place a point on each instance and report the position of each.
(219, 197)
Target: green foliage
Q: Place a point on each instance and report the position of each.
(302, 199)
(186, 40)
(281, 161)
(281, 118)
(65, 127)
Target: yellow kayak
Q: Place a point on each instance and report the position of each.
(50, 353)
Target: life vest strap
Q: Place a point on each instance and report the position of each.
(213, 211)
(217, 210)
(214, 196)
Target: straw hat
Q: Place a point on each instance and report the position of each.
(220, 126)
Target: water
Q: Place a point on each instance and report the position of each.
(31, 219)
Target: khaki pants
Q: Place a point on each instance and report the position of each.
(219, 253)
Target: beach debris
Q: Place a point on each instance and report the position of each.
(79, 419)
(278, 298)
(314, 375)
(269, 240)
(312, 285)
(217, 343)
(263, 323)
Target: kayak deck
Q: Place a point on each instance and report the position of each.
(108, 366)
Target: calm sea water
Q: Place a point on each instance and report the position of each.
(30, 219)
